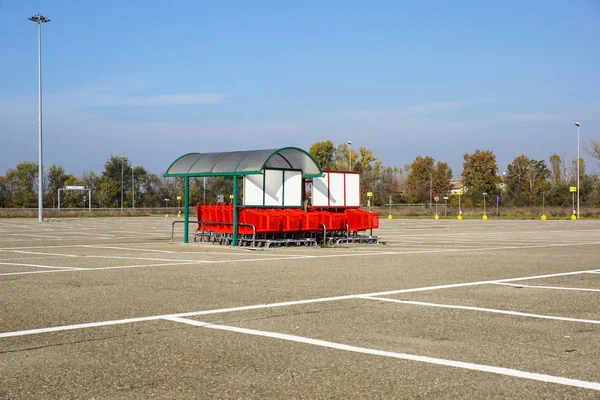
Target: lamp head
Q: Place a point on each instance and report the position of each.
(577, 124)
(350, 143)
(39, 19)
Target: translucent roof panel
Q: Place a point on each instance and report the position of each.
(244, 163)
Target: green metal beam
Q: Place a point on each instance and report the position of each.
(235, 211)
(186, 206)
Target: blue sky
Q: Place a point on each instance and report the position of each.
(153, 80)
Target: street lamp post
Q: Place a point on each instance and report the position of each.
(350, 151)
(484, 196)
(577, 125)
(39, 20)
(122, 161)
(132, 188)
(430, 188)
(543, 202)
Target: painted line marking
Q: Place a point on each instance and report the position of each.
(402, 356)
(281, 304)
(38, 253)
(127, 249)
(547, 287)
(373, 253)
(482, 309)
(44, 266)
(104, 268)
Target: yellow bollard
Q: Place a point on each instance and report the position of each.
(543, 217)
(390, 216)
(573, 217)
(484, 217)
(166, 215)
(436, 217)
(459, 218)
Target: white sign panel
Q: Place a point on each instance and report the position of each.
(352, 190)
(336, 189)
(320, 191)
(253, 190)
(292, 195)
(273, 188)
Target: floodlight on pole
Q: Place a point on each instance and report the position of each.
(350, 151)
(122, 161)
(577, 124)
(39, 20)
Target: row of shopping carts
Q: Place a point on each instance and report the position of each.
(267, 227)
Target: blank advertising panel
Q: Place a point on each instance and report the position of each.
(253, 190)
(292, 194)
(273, 187)
(352, 190)
(320, 191)
(336, 189)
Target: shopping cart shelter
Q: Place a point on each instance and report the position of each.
(275, 207)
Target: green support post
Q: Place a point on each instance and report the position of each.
(235, 212)
(186, 206)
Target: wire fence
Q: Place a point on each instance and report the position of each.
(396, 210)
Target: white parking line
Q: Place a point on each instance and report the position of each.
(353, 254)
(548, 287)
(126, 249)
(273, 305)
(43, 266)
(403, 356)
(74, 269)
(38, 253)
(489, 310)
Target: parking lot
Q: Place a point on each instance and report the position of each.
(111, 308)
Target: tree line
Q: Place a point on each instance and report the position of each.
(526, 182)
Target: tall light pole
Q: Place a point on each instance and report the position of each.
(350, 151)
(39, 20)
(132, 188)
(122, 161)
(577, 125)
(430, 188)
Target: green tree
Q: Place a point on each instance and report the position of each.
(525, 180)
(4, 192)
(22, 182)
(442, 175)
(138, 186)
(113, 182)
(391, 182)
(480, 174)
(370, 168)
(72, 198)
(556, 168)
(419, 179)
(343, 156)
(323, 152)
(151, 192)
(56, 180)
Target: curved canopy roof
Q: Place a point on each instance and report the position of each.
(244, 163)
